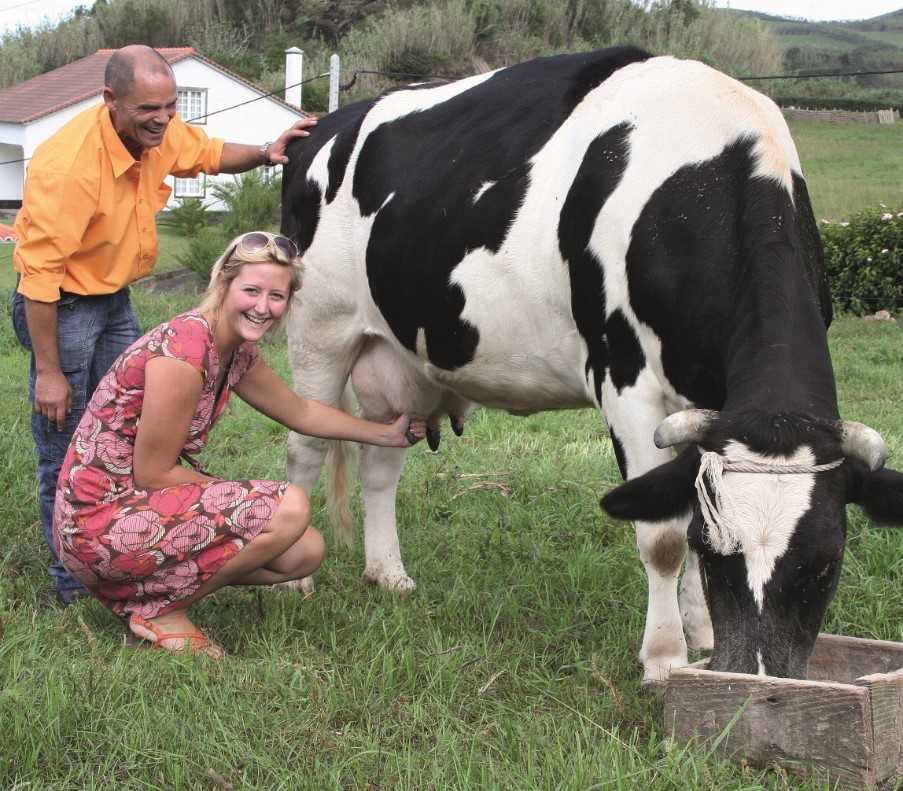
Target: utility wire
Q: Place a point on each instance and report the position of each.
(820, 76)
(20, 5)
(405, 75)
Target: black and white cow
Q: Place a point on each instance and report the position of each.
(609, 229)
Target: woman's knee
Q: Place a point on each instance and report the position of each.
(294, 510)
(314, 550)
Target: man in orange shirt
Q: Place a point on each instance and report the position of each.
(86, 230)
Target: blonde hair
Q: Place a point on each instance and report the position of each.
(228, 266)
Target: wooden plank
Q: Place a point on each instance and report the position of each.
(824, 725)
(886, 695)
(844, 659)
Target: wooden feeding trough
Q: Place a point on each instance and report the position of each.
(846, 720)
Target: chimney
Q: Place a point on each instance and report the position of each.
(294, 68)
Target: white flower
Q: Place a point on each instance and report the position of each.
(884, 251)
(828, 222)
(844, 224)
(868, 259)
(887, 216)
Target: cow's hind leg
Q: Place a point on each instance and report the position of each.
(632, 416)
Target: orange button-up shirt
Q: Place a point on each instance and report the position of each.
(86, 225)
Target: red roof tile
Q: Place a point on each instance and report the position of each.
(82, 79)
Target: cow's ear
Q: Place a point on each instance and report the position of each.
(879, 493)
(663, 492)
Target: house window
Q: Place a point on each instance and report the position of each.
(190, 188)
(191, 104)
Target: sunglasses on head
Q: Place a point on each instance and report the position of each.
(255, 241)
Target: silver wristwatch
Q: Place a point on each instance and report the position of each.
(265, 153)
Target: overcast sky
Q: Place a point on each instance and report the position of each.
(33, 12)
(815, 9)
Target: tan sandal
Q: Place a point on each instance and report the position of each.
(197, 641)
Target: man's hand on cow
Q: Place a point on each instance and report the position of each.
(276, 150)
(406, 431)
(53, 397)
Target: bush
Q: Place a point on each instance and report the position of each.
(252, 202)
(203, 250)
(864, 261)
(187, 218)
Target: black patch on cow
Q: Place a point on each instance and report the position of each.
(619, 453)
(716, 268)
(812, 250)
(776, 433)
(599, 174)
(627, 358)
(596, 70)
(682, 260)
(433, 163)
(301, 198)
(341, 153)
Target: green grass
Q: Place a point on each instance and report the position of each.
(512, 666)
(892, 37)
(849, 167)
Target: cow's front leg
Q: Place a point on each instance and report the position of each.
(632, 415)
(662, 547)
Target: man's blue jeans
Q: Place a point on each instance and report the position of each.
(91, 332)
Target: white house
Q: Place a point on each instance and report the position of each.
(209, 95)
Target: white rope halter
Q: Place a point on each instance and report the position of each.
(718, 512)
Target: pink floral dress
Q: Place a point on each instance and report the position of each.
(145, 550)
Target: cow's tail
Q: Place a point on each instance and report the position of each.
(338, 500)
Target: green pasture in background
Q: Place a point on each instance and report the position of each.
(849, 167)
(512, 666)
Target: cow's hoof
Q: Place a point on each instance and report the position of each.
(396, 583)
(657, 670)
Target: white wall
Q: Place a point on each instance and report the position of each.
(254, 124)
(38, 131)
(11, 174)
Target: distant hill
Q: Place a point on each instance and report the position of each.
(822, 48)
(818, 47)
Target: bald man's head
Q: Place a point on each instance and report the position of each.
(126, 62)
(140, 93)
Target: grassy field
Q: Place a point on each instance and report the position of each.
(849, 167)
(512, 666)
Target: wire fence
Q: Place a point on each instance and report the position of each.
(402, 76)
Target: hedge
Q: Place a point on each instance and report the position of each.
(864, 261)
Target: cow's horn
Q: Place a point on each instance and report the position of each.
(863, 443)
(686, 426)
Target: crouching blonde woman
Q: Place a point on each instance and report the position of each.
(137, 520)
